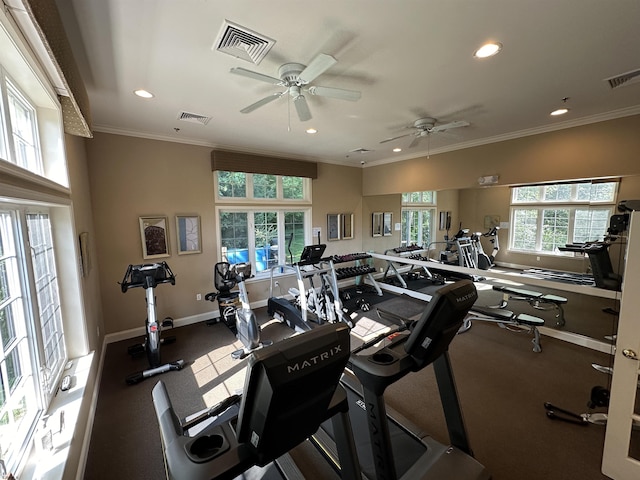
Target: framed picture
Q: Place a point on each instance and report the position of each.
(347, 225)
(376, 224)
(155, 238)
(386, 224)
(333, 226)
(188, 232)
(445, 221)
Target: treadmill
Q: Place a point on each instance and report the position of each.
(290, 388)
(387, 447)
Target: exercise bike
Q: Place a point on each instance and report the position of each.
(484, 261)
(149, 276)
(235, 310)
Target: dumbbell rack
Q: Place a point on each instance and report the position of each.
(412, 252)
(357, 270)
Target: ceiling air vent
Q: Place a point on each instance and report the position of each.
(624, 79)
(193, 118)
(360, 150)
(240, 42)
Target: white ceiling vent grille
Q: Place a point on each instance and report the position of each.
(360, 150)
(240, 42)
(193, 118)
(624, 79)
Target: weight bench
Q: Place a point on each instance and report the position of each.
(520, 322)
(537, 300)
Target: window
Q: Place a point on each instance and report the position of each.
(257, 221)
(422, 198)
(545, 217)
(24, 132)
(418, 213)
(32, 343)
(239, 186)
(32, 351)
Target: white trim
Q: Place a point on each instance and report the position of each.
(578, 339)
(88, 431)
(140, 331)
(602, 117)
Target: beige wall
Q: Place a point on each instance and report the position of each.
(592, 151)
(380, 203)
(133, 177)
(90, 294)
(83, 219)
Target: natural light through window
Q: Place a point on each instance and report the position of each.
(545, 217)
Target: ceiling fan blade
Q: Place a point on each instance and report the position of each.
(302, 108)
(256, 76)
(262, 102)
(415, 141)
(396, 138)
(339, 93)
(317, 66)
(448, 126)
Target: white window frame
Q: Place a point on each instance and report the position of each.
(39, 377)
(306, 187)
(41, 185)
(419, 207)
(13, 94)
(407, 201)
(419, 210)
(572, 205)
(282, 241)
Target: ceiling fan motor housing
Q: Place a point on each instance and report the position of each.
(289, 73)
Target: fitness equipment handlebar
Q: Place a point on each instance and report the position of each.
(148, 275)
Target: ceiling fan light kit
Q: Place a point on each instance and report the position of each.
(294, 77)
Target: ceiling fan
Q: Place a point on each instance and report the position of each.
(296, 78)
(424, 127)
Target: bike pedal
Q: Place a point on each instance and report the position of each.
(135, 350)
(167, 323)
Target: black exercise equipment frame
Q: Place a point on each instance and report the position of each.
(149, 276)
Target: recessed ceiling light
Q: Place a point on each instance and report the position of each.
(488, 50)
(559, 111)
(312, 130)
(143, 93)
(397, 149)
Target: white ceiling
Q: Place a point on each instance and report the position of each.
(409, 58)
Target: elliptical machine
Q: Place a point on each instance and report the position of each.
(485, 262)
(235, 310)
(149, 276)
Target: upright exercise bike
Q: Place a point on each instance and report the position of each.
(149, 276)
(485, 262)
(235, 310)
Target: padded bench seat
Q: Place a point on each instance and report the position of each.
(506, 318)
(535, 299)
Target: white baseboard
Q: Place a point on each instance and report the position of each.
(180, 322)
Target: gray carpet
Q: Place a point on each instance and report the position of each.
(501, 382)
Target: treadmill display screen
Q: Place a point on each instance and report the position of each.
(440, 321)
(312, 253)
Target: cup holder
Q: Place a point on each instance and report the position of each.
(382, 358)
(206, 447)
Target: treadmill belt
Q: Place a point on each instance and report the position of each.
(407, 448)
